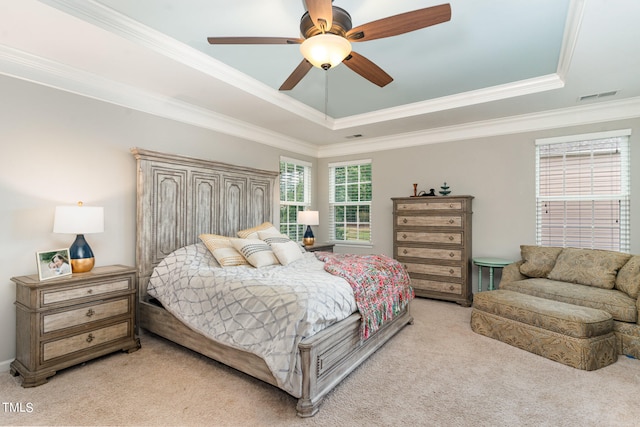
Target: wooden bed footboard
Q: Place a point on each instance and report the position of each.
(327, 357)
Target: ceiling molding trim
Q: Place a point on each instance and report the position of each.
(24, 66)
(570, 38)
(574, 116)
(135, 32)
(465, 99)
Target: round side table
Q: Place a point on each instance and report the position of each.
(491, 263)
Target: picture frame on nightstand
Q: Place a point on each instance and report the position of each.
(53, 263)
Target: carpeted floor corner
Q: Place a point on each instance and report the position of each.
(436, 372)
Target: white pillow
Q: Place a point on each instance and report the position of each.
(257, 252)
(252, 233)
(222, 250)
(286, 252)
(272, 238)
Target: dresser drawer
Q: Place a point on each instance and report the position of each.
(422, 237)
(430, 253)
(61, 347)
(431, 205)
(86, 314)
(434, 270)
(88, 290)
(430, 221)
(436, 286)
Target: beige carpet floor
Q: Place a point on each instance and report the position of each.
(436, 372)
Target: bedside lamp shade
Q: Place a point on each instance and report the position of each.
(79, 220)
(308, 218)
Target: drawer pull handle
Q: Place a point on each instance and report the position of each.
(451, 271)
(451, 254)
(404, 220)
(404, 236)
(451, 288)
(89, 291)
(90, 338)
(451, 238)
(451, 205)
(90, 312)
(451, 221)
(404, 251)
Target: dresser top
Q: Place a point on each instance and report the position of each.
(97, 272)
(431, 197)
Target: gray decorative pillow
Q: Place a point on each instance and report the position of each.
(591, 267)
(628, 279)
(538, 260)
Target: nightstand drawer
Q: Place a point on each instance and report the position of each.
(442, 254)
(56, 296)
(61, 347)
(92, 313)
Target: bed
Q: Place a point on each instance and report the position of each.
(178, 199)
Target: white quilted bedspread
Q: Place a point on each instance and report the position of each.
(265, 311)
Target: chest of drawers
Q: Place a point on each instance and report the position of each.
(432, 239)
(69, 320)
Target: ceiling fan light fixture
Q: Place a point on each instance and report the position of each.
(325, 50)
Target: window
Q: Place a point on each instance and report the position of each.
(295, 195)
(582, 191)
(350, 194)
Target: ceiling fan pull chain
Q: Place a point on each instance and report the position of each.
(326, 93)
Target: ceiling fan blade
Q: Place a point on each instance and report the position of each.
(400, 24)
(367, 69)
(321, 10)
(301, 70)
(254, 40)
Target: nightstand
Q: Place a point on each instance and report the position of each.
(69, 320)
(317, 247)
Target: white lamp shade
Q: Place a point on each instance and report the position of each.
(78, 219)
(325, 49)
(308, 217)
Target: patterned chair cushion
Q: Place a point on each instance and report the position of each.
(615, 302)
(567, 319)
(628, 279)
(538, 261)
(589, 267)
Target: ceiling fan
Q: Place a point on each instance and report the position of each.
(327, 35)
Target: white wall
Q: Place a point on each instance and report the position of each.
(59, 148)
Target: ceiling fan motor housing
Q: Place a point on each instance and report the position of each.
(341, 24)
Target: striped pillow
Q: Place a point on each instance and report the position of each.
(222, 250)
(252, 233)
(257, 252)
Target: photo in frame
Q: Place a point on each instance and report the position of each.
(53, 263)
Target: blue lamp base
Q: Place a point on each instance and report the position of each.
(82, 259)
(308, 239)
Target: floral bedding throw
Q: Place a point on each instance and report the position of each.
(380, 284)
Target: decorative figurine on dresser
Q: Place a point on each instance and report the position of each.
(68, 320)
(432, 240)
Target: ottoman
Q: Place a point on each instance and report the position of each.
(576, 336)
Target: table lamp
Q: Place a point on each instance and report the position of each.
(79, 220)
(308, 218)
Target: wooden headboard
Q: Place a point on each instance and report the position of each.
(179, 198)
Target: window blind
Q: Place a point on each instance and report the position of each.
(295, 195)
(582, 191)
(350, 196)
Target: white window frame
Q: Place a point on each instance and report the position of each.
(576, 202)
(291, 228)
(361, 227)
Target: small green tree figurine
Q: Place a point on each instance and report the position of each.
(445, 190)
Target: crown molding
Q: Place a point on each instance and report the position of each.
(35, 69)
(553, 119)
